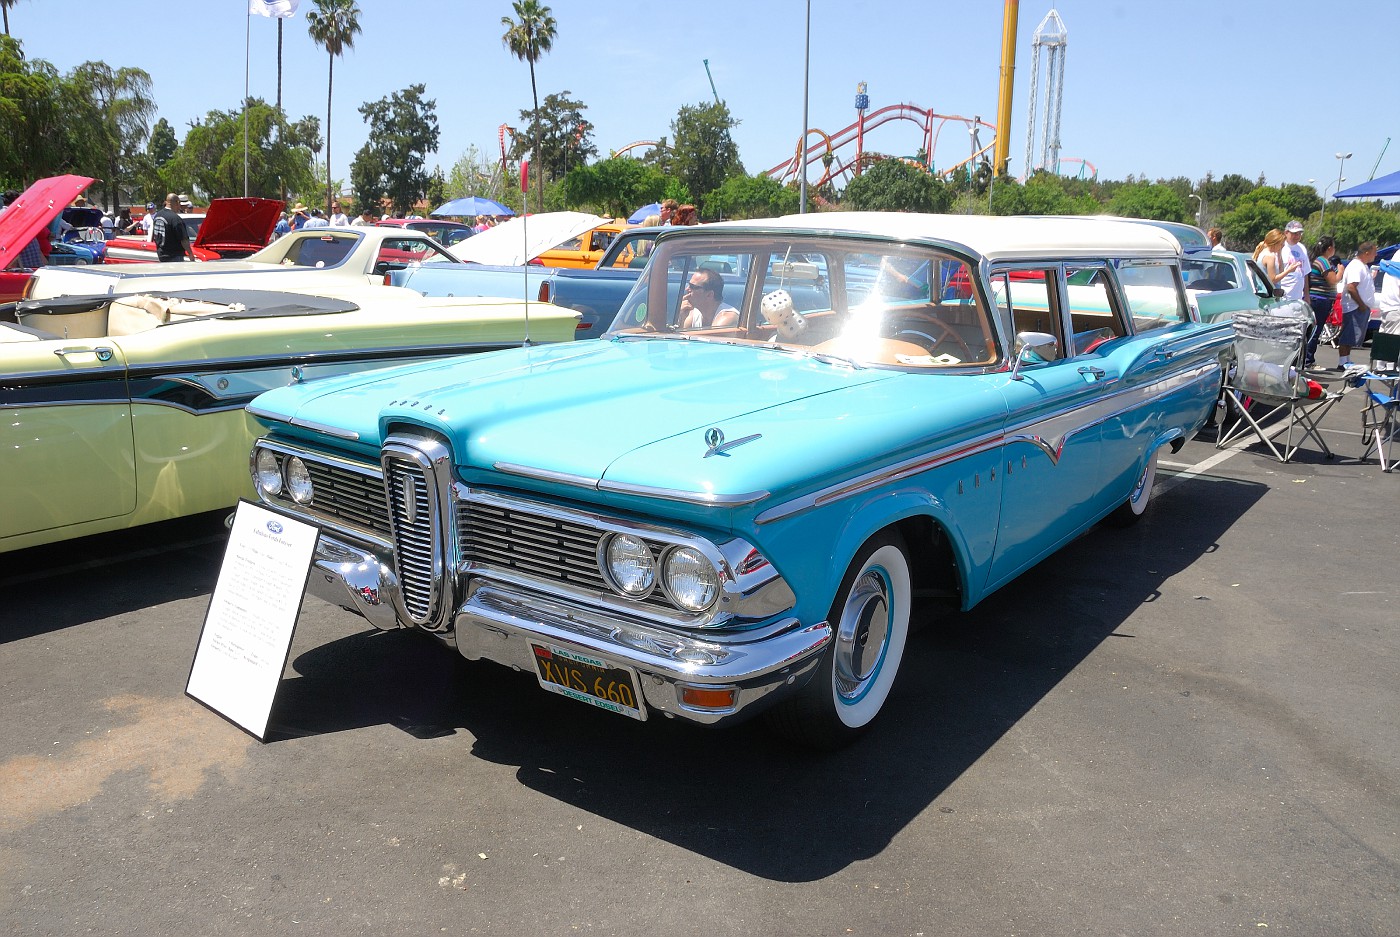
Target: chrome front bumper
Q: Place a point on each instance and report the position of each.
(497, 622)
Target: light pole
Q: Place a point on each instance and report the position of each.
(1200, 206)
(1323, 217)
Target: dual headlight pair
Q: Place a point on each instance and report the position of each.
(273, 478)
(688, 577)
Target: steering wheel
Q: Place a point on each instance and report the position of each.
(928, 342)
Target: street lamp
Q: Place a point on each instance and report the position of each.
(1342, 157)
(1200, 206)
(1323, 217)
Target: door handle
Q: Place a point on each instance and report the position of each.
(1091, 373)
(1165, 354)
(102, 352)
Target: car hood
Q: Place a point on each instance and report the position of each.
(519, 240)
(239, 223)
(33, 210)
(636, 416)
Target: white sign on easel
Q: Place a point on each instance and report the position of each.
(247, 632)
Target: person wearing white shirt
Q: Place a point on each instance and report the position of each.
(1293, 259)
(1358, 296)
(338, 217)
(1217, 241)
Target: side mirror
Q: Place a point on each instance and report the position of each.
(1033, 347)
(1278, 292)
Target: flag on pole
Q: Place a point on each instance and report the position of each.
(524, 175)
(281, 9)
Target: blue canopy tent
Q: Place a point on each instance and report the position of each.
(1376, 188)
(471, 206)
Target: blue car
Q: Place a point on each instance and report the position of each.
(727, 504)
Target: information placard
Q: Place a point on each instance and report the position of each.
(247, 633)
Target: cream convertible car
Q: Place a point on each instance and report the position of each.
(122, 410)
(305, 261)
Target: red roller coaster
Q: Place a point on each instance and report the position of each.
(835, 144)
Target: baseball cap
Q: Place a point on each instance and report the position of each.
(1293, 226)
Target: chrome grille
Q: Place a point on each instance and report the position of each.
(343, 495)
(412, 506)
(549, 548)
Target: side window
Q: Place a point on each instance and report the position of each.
(1094, 316)
(1153, 292)
(1028, 301)
(1209, 275)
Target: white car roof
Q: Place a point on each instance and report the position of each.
(993, 237)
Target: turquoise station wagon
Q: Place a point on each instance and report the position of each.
(794, 427)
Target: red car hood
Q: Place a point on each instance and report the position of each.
(33, 210)
(238, 223)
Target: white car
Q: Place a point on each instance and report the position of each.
(303, 261)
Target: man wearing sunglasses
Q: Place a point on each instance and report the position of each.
(703, 305)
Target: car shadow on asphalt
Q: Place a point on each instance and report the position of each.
(59, 585)
(738, 795)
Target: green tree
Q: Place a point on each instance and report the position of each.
(161, 145)
(613, 187)
(1247, 223)
(333, 26)
(894, 185)
(563, 137)
(1149, 200)
(367, 173)
(1222, 194)
(704, 153)
(752, 197)
(403, 130)
(33, 108)
(1367, 221)
(472, 174)
(527, 39)
(210, 161)
(113, 122)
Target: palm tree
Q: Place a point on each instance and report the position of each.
(333, 25)
(529, 37)
(5, 9)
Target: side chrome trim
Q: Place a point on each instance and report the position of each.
(1033, 432)
(335, 431)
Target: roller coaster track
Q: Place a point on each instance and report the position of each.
(930, 123)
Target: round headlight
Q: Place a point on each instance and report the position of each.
(691, 579)
(269, 475)
(298, 481)
(631, 566)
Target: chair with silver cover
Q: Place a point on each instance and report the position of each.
(1382, 387)
(1265, 391)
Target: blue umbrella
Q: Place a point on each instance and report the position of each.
(472, 205)
(640, 215)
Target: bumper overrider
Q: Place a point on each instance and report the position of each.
(741, 657)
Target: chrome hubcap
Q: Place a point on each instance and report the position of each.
(863, 634)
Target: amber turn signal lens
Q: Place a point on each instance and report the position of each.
(707, 698)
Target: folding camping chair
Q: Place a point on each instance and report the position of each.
(1268, 351)
(1378, 412)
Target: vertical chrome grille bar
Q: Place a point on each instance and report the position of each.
(417, 485)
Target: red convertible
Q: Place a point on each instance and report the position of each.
(230, 229)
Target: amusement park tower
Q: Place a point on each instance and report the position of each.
(1051, 35)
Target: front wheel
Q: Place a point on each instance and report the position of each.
(1130, 511)
(870, 623)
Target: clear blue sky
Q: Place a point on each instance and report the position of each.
(1152, 88)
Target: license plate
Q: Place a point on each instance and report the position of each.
(587, 679)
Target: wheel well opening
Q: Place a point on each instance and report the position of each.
(932, 564)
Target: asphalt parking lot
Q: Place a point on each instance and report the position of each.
(1188, 727)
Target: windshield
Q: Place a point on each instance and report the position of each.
(869, 303)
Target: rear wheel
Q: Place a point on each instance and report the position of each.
(870, 624)
(1130, 511)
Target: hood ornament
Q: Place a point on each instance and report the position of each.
(714, 440)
